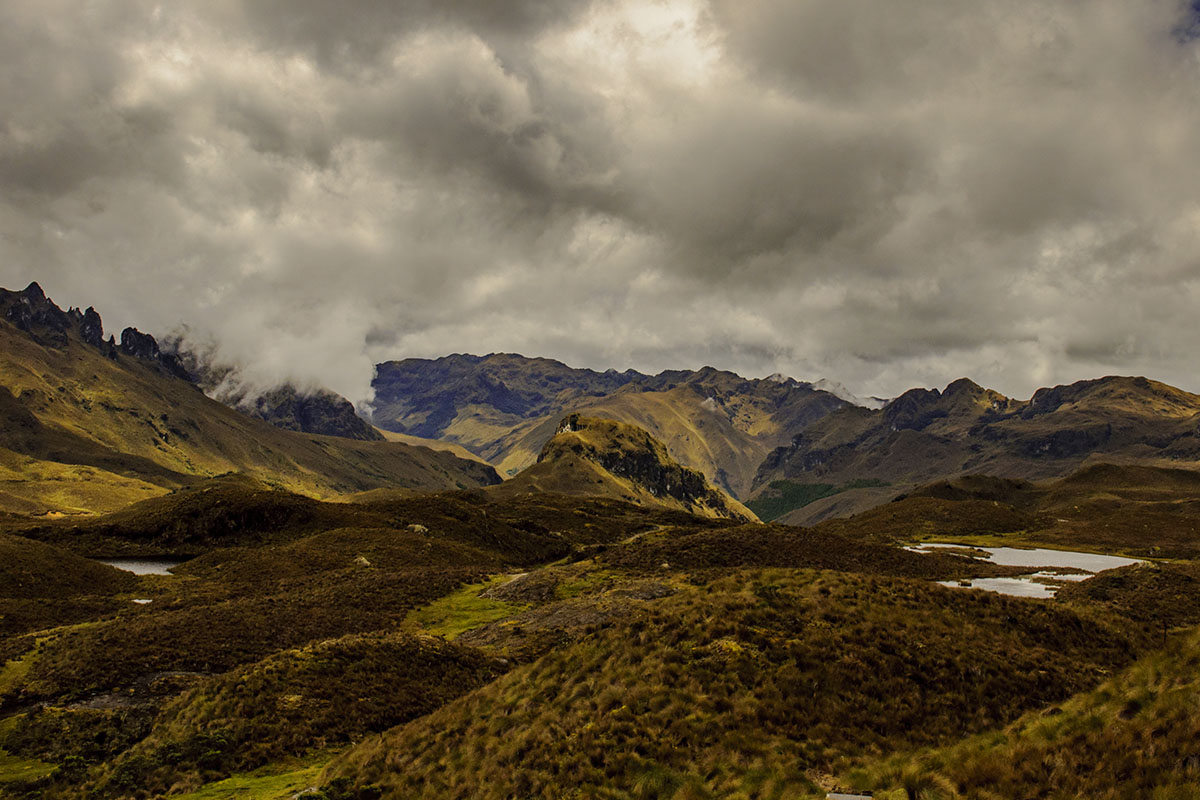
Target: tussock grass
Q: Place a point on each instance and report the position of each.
(746, 682)
(1135, 736)
(296, 703)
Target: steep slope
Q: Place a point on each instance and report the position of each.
(599, 457)
(924, 435)
(504, 407)
(122, 417)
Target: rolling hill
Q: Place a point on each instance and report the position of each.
(599, 457)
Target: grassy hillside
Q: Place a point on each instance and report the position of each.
(707, 691)
(1133, 737)
(320, 696)
(68, 406)
(471, 644)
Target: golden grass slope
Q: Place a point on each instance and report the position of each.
(138, 427)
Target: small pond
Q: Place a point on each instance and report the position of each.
(143, 566)
(1037, 584)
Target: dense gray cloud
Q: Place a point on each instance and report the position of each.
(885, 194)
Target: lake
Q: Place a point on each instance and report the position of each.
(1035, 584)
(143, 566)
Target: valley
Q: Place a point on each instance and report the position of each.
(523, 580)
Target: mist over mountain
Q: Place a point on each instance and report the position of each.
(886, 197)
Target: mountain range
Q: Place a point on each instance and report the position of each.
(365, 608)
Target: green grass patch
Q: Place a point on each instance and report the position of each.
(464, 610)
(14, 672)
(587, 583)
(268, 783)
(783, 496)
(14, 769)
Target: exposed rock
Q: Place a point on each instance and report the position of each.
(144, 346)
(628, 452)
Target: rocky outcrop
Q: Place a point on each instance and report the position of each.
(47, 324)
(632, 454)
(323, 412)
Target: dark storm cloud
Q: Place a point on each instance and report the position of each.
(887, 194)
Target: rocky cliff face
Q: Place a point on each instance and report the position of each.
(633, 455)
(31, 311)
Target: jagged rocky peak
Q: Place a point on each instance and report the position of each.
(32, 311)
(90, 326)
(139, 345)
(312, 410)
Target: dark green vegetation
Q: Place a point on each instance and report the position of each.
(780, 497)
(1133, 737)
(629, 652)
(704, 691)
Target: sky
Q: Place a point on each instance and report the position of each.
(885, 194)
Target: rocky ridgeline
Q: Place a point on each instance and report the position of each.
(321, 412)
(31, 311)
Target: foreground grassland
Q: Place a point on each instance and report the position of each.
(462, 646)
(1136, 736)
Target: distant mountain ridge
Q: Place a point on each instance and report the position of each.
(925, 435)
(504, 408)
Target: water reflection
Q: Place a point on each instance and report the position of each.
(1042, 583)
(143, 566)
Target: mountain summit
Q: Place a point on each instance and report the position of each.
(591, 456)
